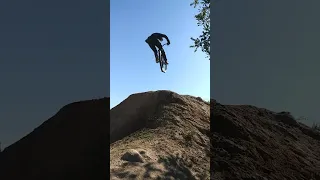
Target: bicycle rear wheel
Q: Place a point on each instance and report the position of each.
(163, 65)
(162, 62)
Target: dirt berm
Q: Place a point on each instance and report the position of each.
(160, 135)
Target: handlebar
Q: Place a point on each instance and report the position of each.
(164, 44)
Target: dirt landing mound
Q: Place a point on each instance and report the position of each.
(160, 135)
(70, 145)
(255, 143)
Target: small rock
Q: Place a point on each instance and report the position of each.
(132, 155)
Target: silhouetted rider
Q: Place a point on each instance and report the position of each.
(153, 41)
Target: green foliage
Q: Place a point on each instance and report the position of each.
(203, 19)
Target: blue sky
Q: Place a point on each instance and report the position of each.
(266, 53)
(133, 68)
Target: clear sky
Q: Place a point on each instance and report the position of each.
(133, 68)
(52, 53)
(266, 53)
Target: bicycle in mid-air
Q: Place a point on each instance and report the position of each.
(162, 59)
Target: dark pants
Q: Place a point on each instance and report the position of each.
(153, 43)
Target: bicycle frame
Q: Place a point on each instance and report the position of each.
(161, 58)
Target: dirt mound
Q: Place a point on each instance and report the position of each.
(70, 145)
(167, 134)
(255, 143)
(164, 135)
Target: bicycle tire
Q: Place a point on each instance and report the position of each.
(160, 59)
(162, 63)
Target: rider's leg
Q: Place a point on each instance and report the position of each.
(159, 46)
(165, 57)
(153, 48)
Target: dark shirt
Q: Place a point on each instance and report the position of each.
(159, 36)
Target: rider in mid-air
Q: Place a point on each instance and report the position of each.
(153, 42)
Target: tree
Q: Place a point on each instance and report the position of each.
(203, 18)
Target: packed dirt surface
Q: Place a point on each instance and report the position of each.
(160, 135)
(73, 144)
(255, 143)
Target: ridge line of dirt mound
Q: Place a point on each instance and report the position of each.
(134, 112)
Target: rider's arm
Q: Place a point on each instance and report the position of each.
(165, 36)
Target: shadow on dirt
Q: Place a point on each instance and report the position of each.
(176, 167)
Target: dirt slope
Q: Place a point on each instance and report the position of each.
(255, 143)
(164, 135)
(70, 145)
(160, 135)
